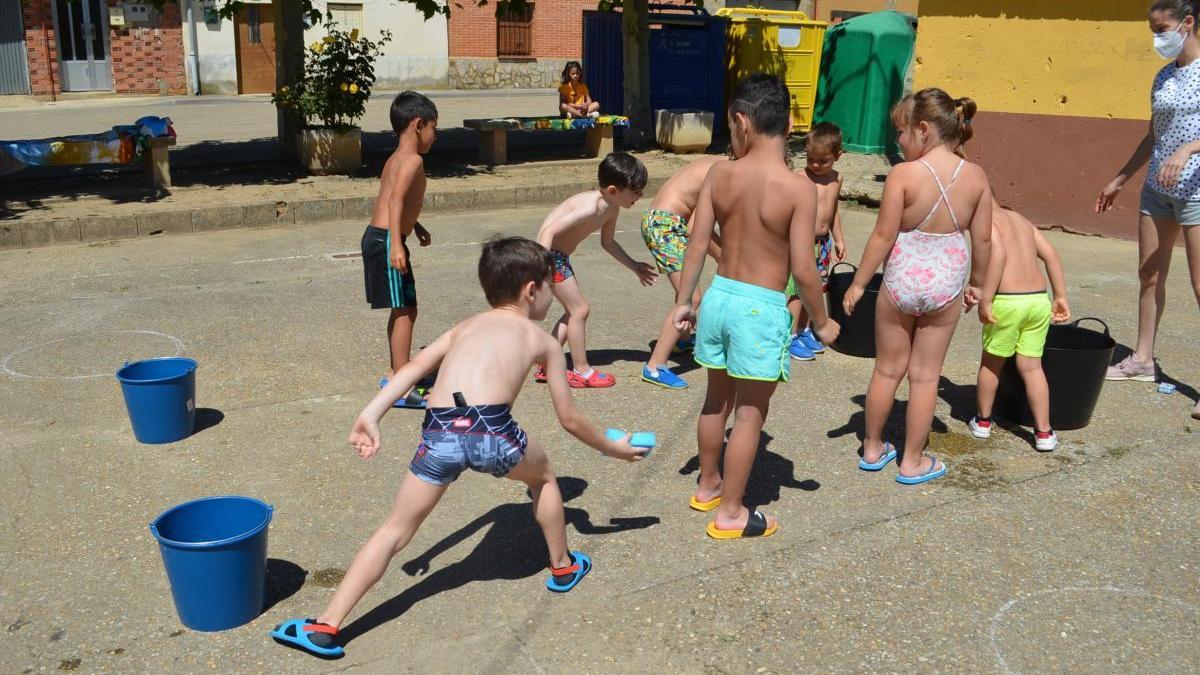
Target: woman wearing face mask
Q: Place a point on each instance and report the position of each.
(1170, 198)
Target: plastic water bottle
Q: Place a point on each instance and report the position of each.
(1166, 388)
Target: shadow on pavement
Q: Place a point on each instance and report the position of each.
(207, 418)
(893, 429)
(771, 473)
(513, 548)
(962, 400)
(284, 578)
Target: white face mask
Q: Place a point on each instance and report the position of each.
(1169, 43)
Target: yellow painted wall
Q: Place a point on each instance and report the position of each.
(1089, 58)
(824, 7)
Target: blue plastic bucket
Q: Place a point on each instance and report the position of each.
(160, 395)
(215, 552)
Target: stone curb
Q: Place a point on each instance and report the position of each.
(92, 229)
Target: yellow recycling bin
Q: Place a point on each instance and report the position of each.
(781, 43)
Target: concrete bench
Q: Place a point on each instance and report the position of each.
(493, 133)
(156, 167)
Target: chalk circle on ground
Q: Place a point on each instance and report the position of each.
(1096, 629)
(86, 356)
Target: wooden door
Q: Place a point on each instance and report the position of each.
(255, 25)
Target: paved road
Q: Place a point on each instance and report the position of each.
(1083, 560)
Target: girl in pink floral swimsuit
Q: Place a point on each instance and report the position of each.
(920, 233)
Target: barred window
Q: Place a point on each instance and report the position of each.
(514, 34)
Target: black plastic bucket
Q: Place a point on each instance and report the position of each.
(1075, 362)
(858, 331)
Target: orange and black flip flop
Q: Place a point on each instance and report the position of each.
(756, 526)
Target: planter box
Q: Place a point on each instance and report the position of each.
(683, 131)
(323, 151)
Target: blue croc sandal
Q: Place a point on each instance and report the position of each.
(414, 400)
(889, 453)
(318, 639)
(935, 471)
(581, 565)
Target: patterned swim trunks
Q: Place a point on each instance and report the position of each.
(823, 252)
(562, 266)
(666, 236)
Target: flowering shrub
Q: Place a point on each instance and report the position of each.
(339, 71)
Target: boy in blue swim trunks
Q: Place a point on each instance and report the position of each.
(483, 361)
(387, 268)
(822, 148)
(767, 216)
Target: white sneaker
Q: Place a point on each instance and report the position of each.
(980, 428)
(1045, 441)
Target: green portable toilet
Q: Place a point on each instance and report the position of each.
(863, 70)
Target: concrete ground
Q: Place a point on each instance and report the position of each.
(1082, 560)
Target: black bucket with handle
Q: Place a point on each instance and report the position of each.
(1075, 362)
(858, 330)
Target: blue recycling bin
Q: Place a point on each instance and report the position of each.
(160, 395)
(215, 553)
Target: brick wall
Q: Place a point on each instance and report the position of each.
(557, 29)
(42, 50)
(146, 59)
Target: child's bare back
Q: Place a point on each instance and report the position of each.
(755, 201)
(470, 366)
(680, 194)
(1022, 272)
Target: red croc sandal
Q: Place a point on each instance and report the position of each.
(597, 380)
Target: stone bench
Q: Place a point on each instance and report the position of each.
(493, 133)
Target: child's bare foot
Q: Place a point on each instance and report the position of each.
(747, 524)
(872, 453)
(706, 498)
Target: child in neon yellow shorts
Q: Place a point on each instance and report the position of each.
(1016, 314)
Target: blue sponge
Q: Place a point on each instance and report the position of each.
(640, 439)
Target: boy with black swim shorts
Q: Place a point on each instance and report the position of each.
(483, 361)
(387, 269)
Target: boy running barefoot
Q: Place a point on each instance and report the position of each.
(665, 230)
(767, 216)
(822, 148)
(484, 361)
(622, 178)
(387, 269)
(1016, 314)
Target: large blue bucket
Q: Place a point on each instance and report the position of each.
(160, 395)
(215, 552)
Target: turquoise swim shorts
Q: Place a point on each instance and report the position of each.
(744, 330)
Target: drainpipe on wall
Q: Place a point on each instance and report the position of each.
(191, 10)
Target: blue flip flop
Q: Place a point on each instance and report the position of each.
(888, 455)
(581, 565)
(933, 472)
(300, 634)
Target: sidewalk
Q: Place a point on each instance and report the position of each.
(227, 171)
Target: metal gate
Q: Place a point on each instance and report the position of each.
(82, 28)
(14, 64)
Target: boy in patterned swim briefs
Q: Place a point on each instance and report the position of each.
(483, 361)
(621, 179)
(822, 148)
(665, 230)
